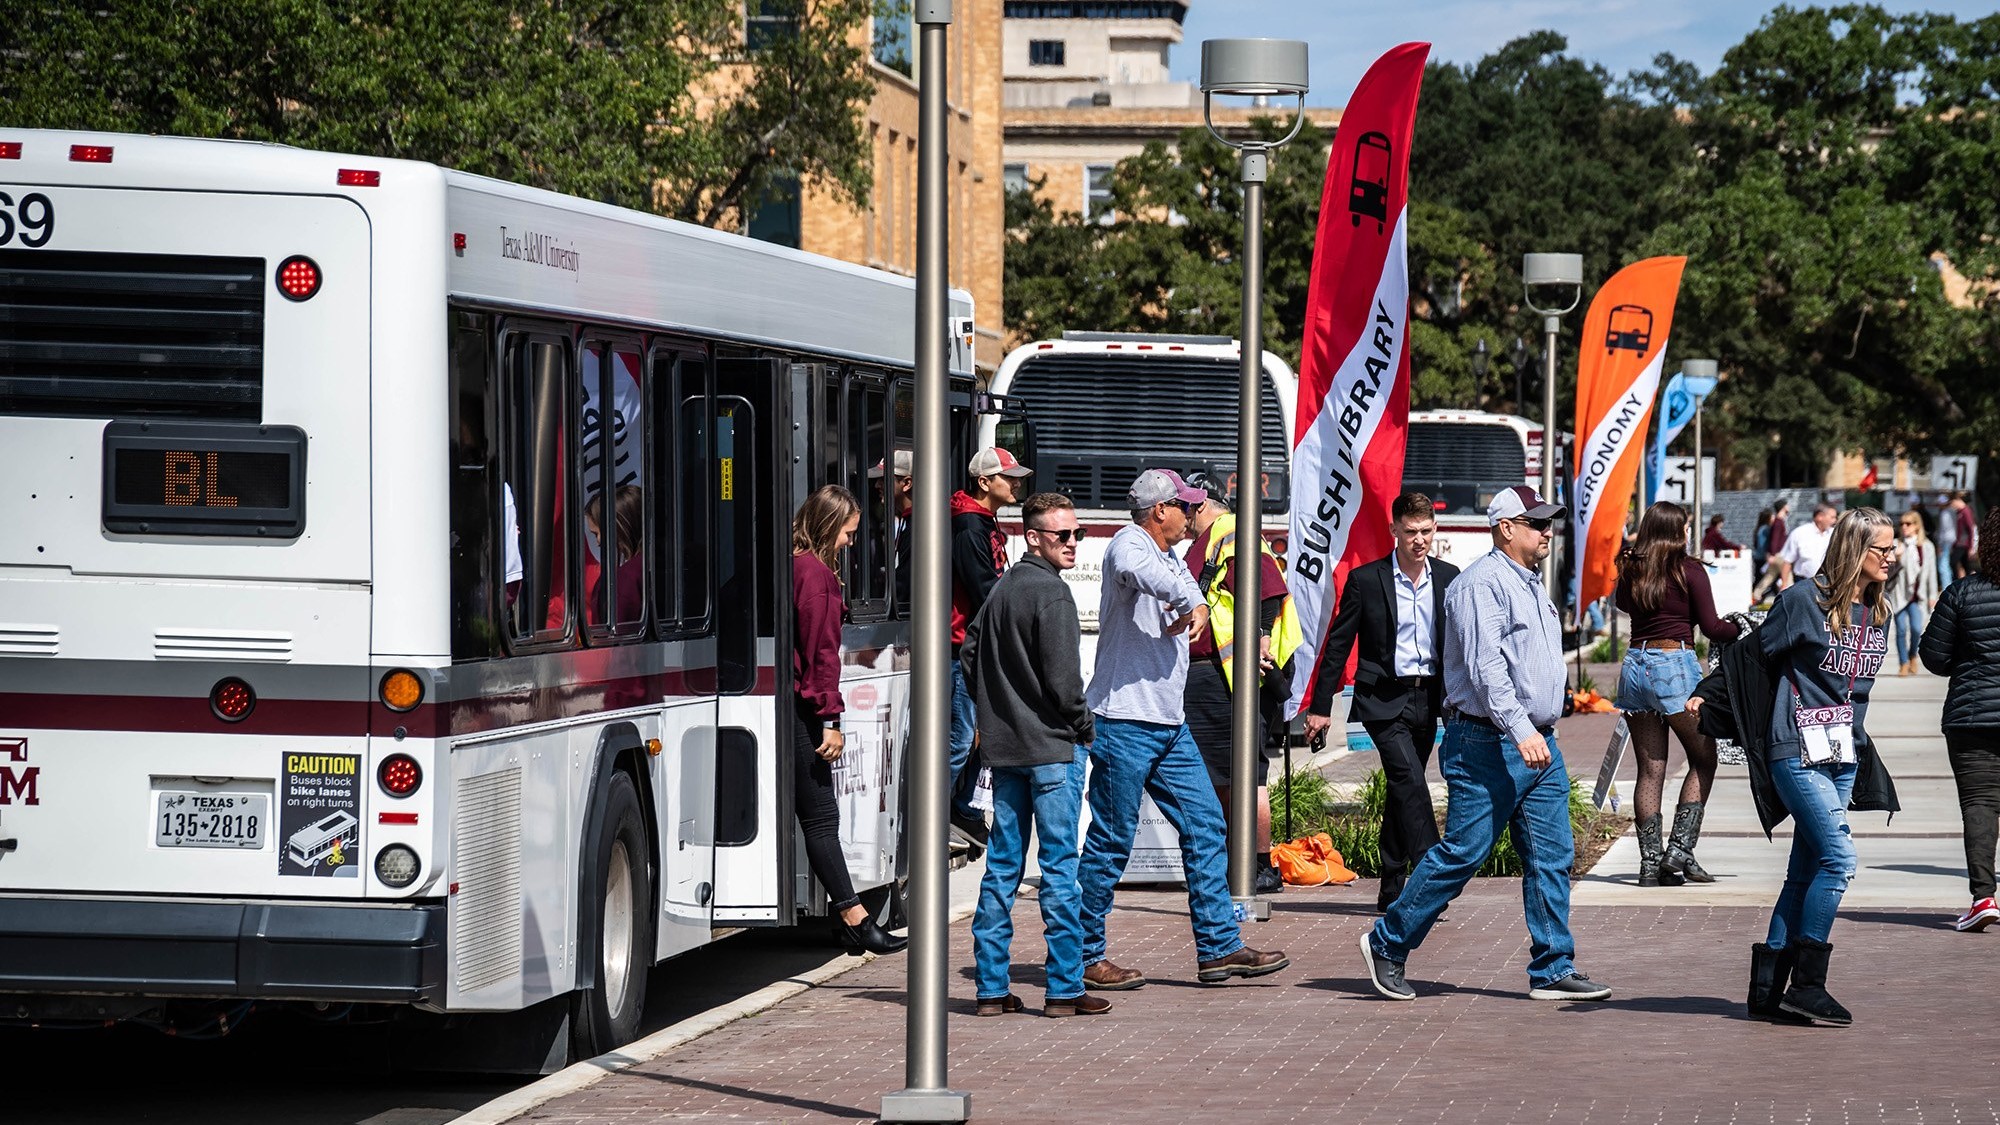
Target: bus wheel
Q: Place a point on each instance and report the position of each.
(606, 1015)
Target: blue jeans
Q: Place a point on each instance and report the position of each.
(1823, 859)
(1909, 630)
(1050, 800)
(1130, 758)
(1658, 681)
(1489, 786)
(962, 728)
(1944, 567)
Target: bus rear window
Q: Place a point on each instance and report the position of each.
(131, 335)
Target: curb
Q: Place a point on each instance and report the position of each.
(578, 1076)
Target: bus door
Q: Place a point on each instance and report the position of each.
(753, 505)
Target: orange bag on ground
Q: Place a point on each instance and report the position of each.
(1310, 861)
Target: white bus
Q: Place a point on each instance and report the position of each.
(1460, 458)
(342, 487)
(1095, 409)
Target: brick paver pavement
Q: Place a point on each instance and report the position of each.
(1313, 1043)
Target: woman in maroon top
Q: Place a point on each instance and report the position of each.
(1666, 591)
(822, 528)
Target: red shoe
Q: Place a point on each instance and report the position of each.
(1979, 916)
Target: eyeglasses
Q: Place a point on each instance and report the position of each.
(1063, 535)
(1185, 506)
(1888, 551)
(1540, 524)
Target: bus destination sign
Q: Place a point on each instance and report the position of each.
(204, 478)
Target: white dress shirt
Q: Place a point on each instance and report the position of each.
(1805, 549)
(1415, 614)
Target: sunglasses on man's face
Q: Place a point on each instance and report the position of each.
(1063, 535)
(1540, 524)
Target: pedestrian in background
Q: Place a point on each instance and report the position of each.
(1965, 542)
(1963, 642)
(1393, 608)
(1913, 590)
(895, 479)
(823, 527)
(1504, 690)
(1805, 548)
(1713, 540)
(1211, 687)
(1023, 660)
(1823, 643)
(1149, 607)
(1760, 542)
(1946, 535)
(978, 556)
(1667, 592)
(1773, 570)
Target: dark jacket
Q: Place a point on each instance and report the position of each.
(1963, 642)
(1736, 702)
(1023, 664)
(1366, 615)
(978, 555)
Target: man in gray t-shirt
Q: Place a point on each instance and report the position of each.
(1149, 607)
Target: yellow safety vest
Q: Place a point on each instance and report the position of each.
(1286, 633)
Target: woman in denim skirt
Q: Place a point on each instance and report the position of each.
(1667, 594)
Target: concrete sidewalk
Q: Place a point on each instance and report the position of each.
(1313, 1043)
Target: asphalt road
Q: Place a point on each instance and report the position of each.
(281, 1068)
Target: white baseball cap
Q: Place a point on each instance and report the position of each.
(994, 461)
(904, 461)
(1520, 502)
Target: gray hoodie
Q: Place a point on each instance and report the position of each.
(1023, 664)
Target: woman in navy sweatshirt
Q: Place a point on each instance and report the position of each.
(1824, 642)
(823, 527)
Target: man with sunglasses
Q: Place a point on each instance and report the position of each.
(1148, 608)
(1504, 690)
(1023, 661)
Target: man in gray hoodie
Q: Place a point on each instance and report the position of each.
(1023, 667)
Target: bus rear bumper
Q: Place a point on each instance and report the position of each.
(248, 950)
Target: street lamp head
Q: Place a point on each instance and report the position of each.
(1700, 376)
(1479, 359)
(1552, 271)
(1254, 68)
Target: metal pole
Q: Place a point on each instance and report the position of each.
(1551, 444)
(1697, 528)
(924, 1097)
(1243, 696)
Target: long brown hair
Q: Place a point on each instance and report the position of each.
(1654, 558)
(1839, 583)
(1989, 545)
(816, 526)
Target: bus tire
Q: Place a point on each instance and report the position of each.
(606, 1015)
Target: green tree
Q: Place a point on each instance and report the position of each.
(596, 98)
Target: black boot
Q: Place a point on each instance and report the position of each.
(867, 936)
(1679, 863)
(1807, 995)
(1268, 880)
(1650, 851)
(1769, 970)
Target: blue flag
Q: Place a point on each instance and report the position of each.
(1677, 408)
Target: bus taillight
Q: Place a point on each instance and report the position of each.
(298, 277)
(10, 150)
(232, 700)
(397, 865)
(358, 177)
(401, 690)
(399, 775)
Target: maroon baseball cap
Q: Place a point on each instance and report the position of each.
(1158, 486)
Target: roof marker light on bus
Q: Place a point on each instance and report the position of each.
(232, 700)
(358, 177)
(10, 150)
(298, 277)
(90, 154)
(458, 245)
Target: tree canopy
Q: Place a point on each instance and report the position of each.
(1823, 183)
(657, 106)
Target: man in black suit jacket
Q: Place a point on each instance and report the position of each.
(1394, 609)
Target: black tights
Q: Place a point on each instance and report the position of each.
(819, 813)
(1649, 746)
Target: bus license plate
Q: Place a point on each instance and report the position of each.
(211, 820)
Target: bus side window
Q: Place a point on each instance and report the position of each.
(686, 567)
(473, 519)
(614, 565)
(902, 416)
(535, 506)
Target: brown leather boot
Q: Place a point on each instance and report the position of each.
(1245, 962)
(998, 1005)
(1107, 977)
(1085, 1005)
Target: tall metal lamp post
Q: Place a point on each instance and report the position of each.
(1552, 272)
(1250, 68)
(1699, 377)
(1479, 374)
(924, 1096)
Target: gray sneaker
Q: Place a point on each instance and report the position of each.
(1575, 986)
(1384, 974)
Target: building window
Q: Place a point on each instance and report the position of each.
(1014, 177)
(1097, 192)
(767, 21)
(1045, 52)
(892, 35)
(775, 216)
